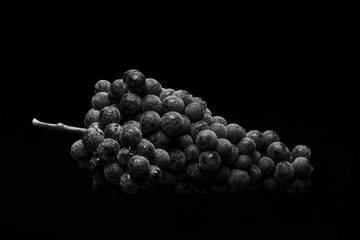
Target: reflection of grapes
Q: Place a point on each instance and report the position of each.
(140, 135)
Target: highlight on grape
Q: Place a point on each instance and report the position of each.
(139, 135)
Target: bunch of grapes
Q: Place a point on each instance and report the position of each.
(141, 135)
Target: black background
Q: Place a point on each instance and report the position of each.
(295, 77)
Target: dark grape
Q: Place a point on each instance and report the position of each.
(177, 159)
(145, 148)
(235, 132)
(278, 151)
(154, 175)
(109, 115)
(133, 123)
(183, 141)
(209, 161)
(165, 93)
(153, 86)
(160, 139)
(238, 179)
(270, 184)
(96, 164)
(219, 119)
(184, 95)
(91, 138)
(151, 103)
(161, 158)
(255, 174)
(194, 170)
(95, 125)
(192, 153)
(266, 165)
(233, 156)
(128, 184)
(100, 100)
(197, 127)
(208, 118)
(172, 123)
(91, 116)
(130, 136)
(186, 125)
(206, 140)
(168, 177)
(301, 151)
(200, 101)
(172, 103)
(302, 167)
(112, 131)
(246, 146)
(138, 166)
(130, 103)
(257, 136)
(78, 151)
(219, 129)
(113, 172)
(244, 162)
(102, 86)
(223, 148)
(256, 157)
(135, 81)
(124, 156)
(284, 172)
(108, 149)
(117, 89)
(195, 111)
(269, 137)
(222, 173)
(150, 122)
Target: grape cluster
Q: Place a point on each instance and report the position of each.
(141, 135)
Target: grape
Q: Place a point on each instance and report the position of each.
(102, 86)
(78, 151)
(266, 165)
(151, 103)
(161, 158)
(109, 115)
(167, 177)
(193, 170)
(130, 136)
(165, 93)
(124, 156)
(209, 161)
(128, 184)
(153, 86)
(96, 164)
(186, 125)
(172, 123)
(91, 116)
(200, 101)
(160, 139)
(150, 121)
(244, 162)
(135, 81)
(301, 151)
(112, 131)
(222, 173)
(257, 136)
(100, 100)
(95, 125)
(208, 118)
(184, 95)
(197, 127)
(255, 174)
(192, 153)
(172, 103)
(177, 159)
(183, 141)
(195, 111)
(235, 132)
(270, 136)
(256, 157)
(206, 140)
(91, 138)
(246, 146)
(113, 172)
(277, 151)
(138, 166)
(130, 103)
(233, 156)
(302, 167)
(117, 89)
(223, 148)
(238, 180)
(145, 148)
(154, 175)
(284, 172)
(132, 123)
(219, 119)
(219, 129)
(108, 149)
(297, 186)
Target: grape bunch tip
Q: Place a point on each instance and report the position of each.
(139, 135)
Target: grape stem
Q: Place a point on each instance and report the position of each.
(58, 127)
